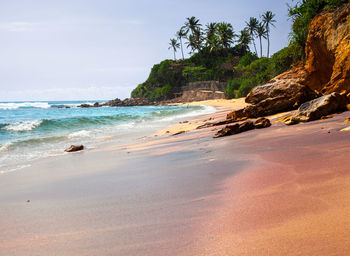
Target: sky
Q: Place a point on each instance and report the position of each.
(102, 49)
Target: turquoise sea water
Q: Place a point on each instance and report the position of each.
(32, 130)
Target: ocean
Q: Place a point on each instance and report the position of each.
(35, 130)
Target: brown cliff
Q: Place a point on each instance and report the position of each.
(328, 52)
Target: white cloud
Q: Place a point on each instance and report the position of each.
(17, 26)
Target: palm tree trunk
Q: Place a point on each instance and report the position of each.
(255, 46)
(182, 51)
(174, 56)
(260, 47)
(268, 44)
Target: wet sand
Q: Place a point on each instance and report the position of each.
(277, 191)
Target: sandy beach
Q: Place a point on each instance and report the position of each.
(282, 190)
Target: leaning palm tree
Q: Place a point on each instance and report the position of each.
(261, 33)
(174, 45)
(225, 34)
(244, 40)
(251, 26)
(181, 34)
(195, 41)
(268, 20)
(191, 25)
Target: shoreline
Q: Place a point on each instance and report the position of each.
(252, 193)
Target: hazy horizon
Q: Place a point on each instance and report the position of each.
(99, 50)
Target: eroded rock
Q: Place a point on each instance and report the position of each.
(318, 108)
(262, 122)
(235, 129)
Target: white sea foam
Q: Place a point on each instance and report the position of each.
(82, 133)
(13, 105)
(22, 126)
(5, 147)
(16, 168)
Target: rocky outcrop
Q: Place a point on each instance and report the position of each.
(121, 103)
(128, 102)
(276, 96)
(74, 148)
(318, 108)
(328, 52)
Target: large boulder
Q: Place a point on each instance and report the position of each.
(278, 95)
(317, 108)
(328, 52)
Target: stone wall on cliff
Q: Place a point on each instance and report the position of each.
(202, 90)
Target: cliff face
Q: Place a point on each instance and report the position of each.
(328, 52)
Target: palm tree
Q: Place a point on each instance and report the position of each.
(251, 26)
(261, 32)
(191, 43)
(225, 34)
(244, 40)
(192, 24)
(195, 41)
(181, 34)
(268, 20)
(210, 31)
(174, 45)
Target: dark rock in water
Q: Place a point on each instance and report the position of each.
(85, 106)
(129, 102)
(114, 103)
(137, 102)
(262, 122)
(74, 148)
(317, 108)
(274, 97)
(97, 105)
(235, 129)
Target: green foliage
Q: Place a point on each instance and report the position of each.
(247, 59)
(200, 73)
(247, 84)
(302, 14)
(232, 88)
(285, 58)
(160, 93)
